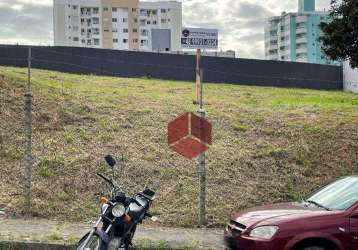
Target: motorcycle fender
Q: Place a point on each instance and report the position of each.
(104, 237)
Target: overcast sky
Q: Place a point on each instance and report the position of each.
(240, 22)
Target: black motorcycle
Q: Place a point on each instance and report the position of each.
(120, 216)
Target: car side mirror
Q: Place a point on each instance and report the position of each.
(110, 161)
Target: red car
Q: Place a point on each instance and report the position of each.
(326, 220)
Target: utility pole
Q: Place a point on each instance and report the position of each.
(28, 135)
(201, 112)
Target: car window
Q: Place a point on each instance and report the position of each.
(339, 195)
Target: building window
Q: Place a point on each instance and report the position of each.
(154, 12)
(163, 11)
(95, 10)
(169, 20)
(83, 41)
(144, 33)
(154, 22)
(114, 20)
(125, 40)
(135, 30)
(125, 30)
(106, 30)
(96, 41)
(143, 42)
(75, 28)
(75, 39)
(135, 20)
(74, 7)
(105, 8)
(164, 20)
(89, 42)
(95, 20)
(114, 9)
(135, 40)
(134, 9)
(125, 20)
(96, 31)
(148, 22)
(114, 30)
(142, 22)
(115, 40)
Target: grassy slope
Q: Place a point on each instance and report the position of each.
(270, 144)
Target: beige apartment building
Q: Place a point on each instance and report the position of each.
(118, 24)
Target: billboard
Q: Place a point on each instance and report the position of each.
(197, 38)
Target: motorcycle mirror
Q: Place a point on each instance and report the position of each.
(110, 161)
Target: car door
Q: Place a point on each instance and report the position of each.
(353, 229)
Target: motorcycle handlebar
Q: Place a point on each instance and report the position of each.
(105, 178)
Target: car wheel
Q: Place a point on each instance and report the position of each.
(314, 248)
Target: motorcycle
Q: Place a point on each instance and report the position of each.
(119, 217)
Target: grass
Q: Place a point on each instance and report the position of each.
(270, 144)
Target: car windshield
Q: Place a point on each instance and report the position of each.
(339, 195)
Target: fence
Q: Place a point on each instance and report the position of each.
(176, 67)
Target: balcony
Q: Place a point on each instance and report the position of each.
(272, 57)
(301, 30)
(273, 38)
(302, 59)
(301, 50)
(301, 40)
(273, 47)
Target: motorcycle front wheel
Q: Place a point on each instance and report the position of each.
(94, 243)
(117, 244)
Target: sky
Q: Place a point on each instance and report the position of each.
(240, 22)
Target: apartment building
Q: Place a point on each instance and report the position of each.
(294, 36)
(118, 24)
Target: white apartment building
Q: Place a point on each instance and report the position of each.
(118, 24)
(160, 25)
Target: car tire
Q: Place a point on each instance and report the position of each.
(314, 248)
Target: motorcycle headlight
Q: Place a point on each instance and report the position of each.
(264, 232)
(118, 210)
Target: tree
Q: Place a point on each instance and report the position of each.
(340, 39)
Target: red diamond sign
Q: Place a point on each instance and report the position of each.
(189, 135)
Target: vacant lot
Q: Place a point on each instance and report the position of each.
(270, 144)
